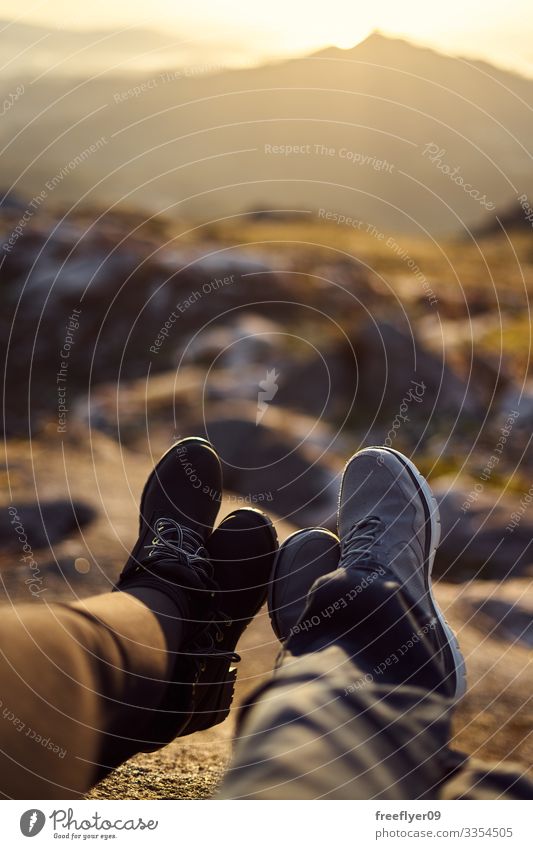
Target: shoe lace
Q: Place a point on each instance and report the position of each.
(173, 541)
(359, 542)
(205, 643)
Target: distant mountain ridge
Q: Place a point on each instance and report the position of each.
(32, 48)
(395, 136)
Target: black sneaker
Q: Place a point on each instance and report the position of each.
(304, 557)
(389, 518)
(179, 505)
(242, 551)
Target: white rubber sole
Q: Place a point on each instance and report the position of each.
(433, 510)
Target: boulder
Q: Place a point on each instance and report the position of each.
(43, 523)
(389, 358)
(271, 468)
(245, 339)
(500, 619)
(477, 540)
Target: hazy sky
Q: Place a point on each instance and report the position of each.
(247, 31)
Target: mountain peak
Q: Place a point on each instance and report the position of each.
(376, 37)
(375, 41)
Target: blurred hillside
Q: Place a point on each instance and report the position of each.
(158, 329)
(30, 49)
(145, 330)
(381, 132)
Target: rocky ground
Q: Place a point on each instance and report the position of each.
(353, 341)
(493, 620)
(492, 724)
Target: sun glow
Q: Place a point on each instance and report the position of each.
(245, 31)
